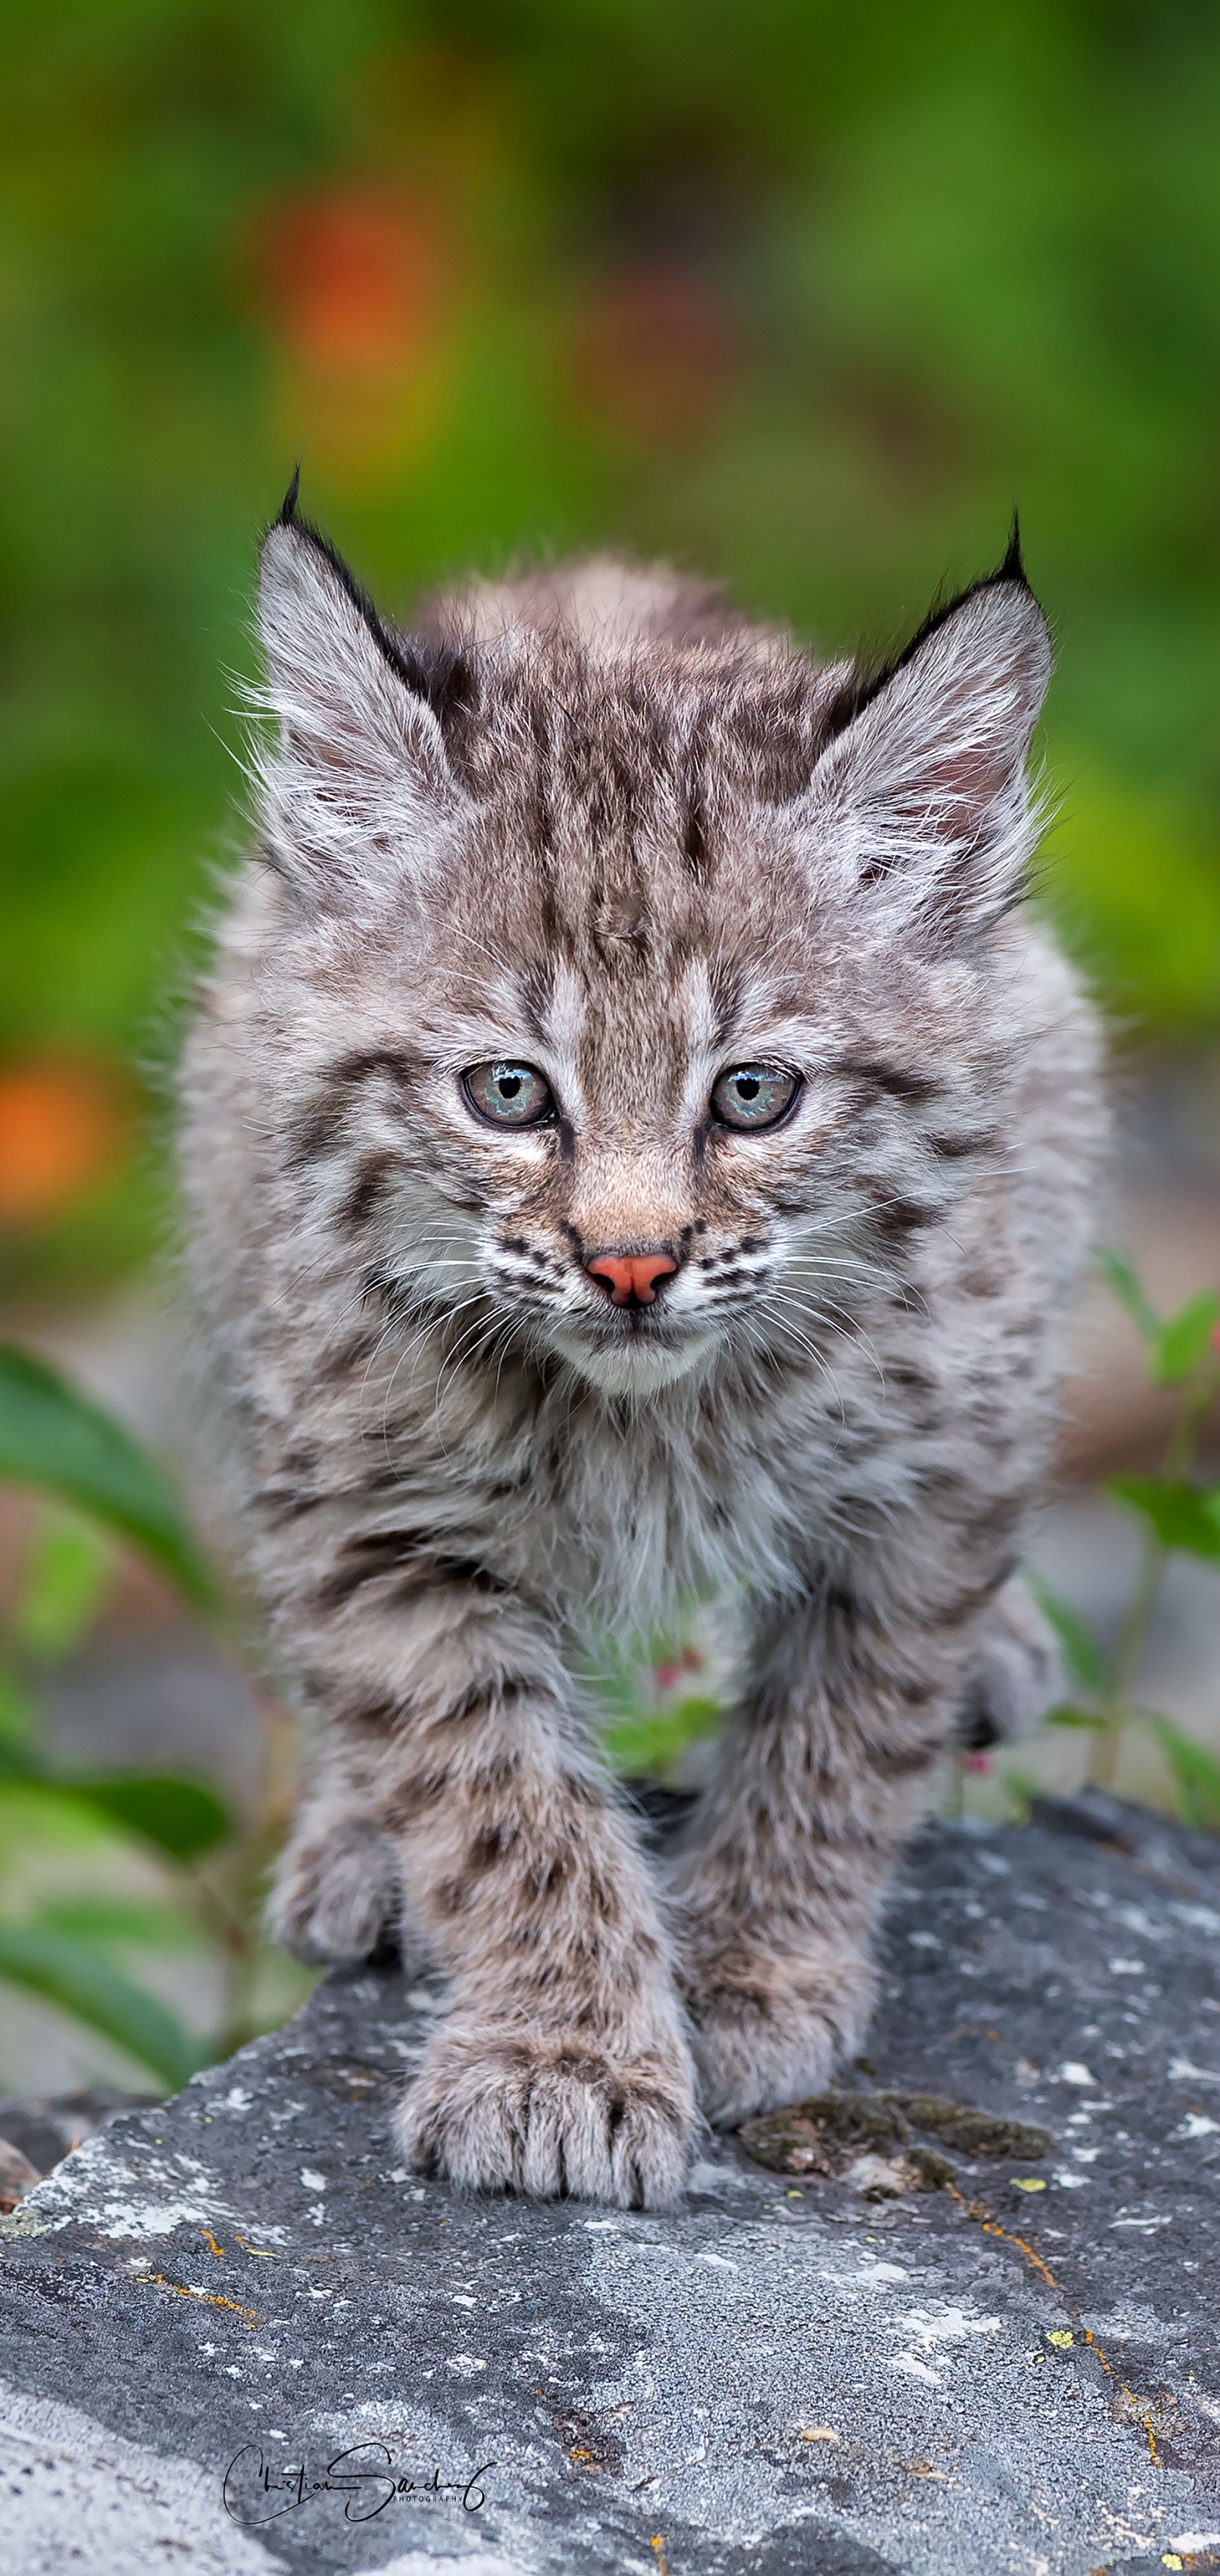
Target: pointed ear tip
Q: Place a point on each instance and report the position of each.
(292, 554)
(1007, 602)
(1012, 567)
(286, 525)
(1011, 576)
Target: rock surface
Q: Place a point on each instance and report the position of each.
(1019, 2372)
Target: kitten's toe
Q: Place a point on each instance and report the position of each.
(337, 1896)
(764, 2036)
(551, 2118)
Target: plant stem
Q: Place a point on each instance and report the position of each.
(1197, 1404)
(1125, 1661)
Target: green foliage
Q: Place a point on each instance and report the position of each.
(1120, 1275)
(1196, 1772)
(178, 1817)
(1184, 1341)
(55, 1442)
(1179, 1345)
(65, 1579)
(1134, 882)
(116, 1923)
(1175, 1514)
(647, 1716)
(75, 1976)
(1081, 1652)
(650, 1745)
(51, 1438)
(17, 1721)
(1181, 1514)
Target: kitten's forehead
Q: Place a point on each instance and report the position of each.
(608, 756)
(619, 891)
(653, 1038)
(585, 952)
(668, 1019)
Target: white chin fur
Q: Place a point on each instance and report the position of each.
(634, 1368)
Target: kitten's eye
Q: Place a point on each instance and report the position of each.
(754, 1095)
(509, 1095)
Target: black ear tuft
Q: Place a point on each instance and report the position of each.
(865, 684)
(443, 675)
(285, 516)
(1013, 566)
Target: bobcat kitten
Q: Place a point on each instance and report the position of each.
(637, 1147)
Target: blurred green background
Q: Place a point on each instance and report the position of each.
(803, 301)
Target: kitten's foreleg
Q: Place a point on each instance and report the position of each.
(821, 1776)
(563, 2065)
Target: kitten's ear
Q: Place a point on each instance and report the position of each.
(359, 755)
(923, 791)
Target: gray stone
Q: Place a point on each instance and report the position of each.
(46, 2128)
(1003, 2378)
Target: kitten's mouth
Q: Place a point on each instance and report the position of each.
(642, 1351)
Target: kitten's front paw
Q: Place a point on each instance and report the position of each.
(768, 2034)
(337, 1896)
(548, 2116)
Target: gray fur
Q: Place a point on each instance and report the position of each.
(593, 823)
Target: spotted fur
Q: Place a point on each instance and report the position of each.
(592, 822)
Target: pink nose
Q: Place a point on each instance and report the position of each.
(634, 1274)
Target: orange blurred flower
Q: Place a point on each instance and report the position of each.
(355, 279)
(359, 285)
(656, 353)
(64, 1124)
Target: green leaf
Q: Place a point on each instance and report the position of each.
(180, 1816)
(1121, 1276)
(1186, 1339)
(80, 1982)
(128, 1925)
(1196, 1772)
(651, 1743)
(1078, 1717)
(53, 1439)
(62, 1585)
(34, 1809)
(1021, 1789)
(17, 1721)
(1081, 1652)
(1181, 1515)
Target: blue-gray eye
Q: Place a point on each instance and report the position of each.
(509, 1095)
(754, 1095)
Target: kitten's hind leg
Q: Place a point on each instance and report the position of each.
(337, 1895)
(1018, 1674)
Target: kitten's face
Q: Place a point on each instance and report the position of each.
(634, 1157)
(595, 1042)
(624, 1164)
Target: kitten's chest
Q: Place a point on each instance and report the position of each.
(630, 1517)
